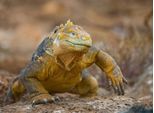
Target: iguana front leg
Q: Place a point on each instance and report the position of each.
(112, 71)
(31, 77)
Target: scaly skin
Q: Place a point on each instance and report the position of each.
(59, 65)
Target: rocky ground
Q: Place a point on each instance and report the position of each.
(73, 104)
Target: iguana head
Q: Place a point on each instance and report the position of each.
(70, 38)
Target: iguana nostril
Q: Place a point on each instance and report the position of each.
(85, 38)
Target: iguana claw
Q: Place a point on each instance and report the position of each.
(117, 84)
(44, 99)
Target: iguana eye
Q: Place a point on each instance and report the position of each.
(72, 35)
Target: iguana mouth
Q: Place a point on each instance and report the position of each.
(86, 45)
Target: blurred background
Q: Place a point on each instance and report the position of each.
(123, 28)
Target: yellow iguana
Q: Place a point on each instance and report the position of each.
(59, 65)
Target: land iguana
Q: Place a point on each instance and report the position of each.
(59, 65)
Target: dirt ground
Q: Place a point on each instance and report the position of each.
(120, 27)
(74, 104)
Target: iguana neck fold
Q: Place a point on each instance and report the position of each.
(68, 61)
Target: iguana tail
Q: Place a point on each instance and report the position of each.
(15, 90)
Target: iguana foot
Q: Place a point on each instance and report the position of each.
(87, 87)
(44, 99)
